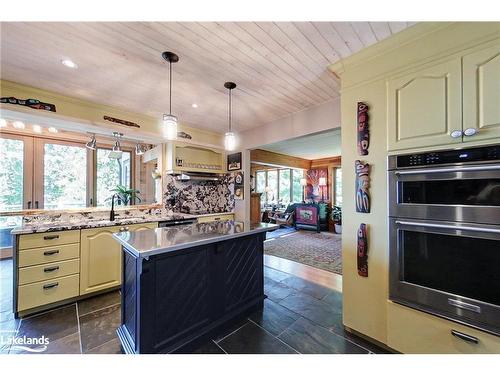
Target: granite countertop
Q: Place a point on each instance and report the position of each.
(162, 240)
(86, 223)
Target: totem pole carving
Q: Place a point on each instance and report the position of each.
(362, 185)
(363, 130)
(362, 251)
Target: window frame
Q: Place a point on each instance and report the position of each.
(27, 167)
(39, 168)
(33, 167)
(94, 169)
(266, 201)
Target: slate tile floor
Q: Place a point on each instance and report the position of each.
(298, 317)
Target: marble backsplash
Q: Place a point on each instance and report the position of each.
(199, 196)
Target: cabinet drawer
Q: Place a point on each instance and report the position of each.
(48, 254)
(45, 292)
(222, 217)
(415, 332)
(48, 271)
(28, 241)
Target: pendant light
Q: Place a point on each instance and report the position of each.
(116, 151)
(230, 138)
(92, 144)
(170, 121)
(138, 149)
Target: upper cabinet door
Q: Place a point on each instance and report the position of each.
(424, 107)
(481, 93)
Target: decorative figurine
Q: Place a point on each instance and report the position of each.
(362, 251)
(363, 131)
(362, 185)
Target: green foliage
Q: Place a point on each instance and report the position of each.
(11, 174)
(126, 195)
(337, 215)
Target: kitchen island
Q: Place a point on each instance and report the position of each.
(183, 284)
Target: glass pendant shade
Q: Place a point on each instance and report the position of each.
(170, 127)
(230, 141)
(91, 144)
(138, 149)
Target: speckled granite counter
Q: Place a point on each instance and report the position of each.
(85, 220)
(151, 242)
(92, 223)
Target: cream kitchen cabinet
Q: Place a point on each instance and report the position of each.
(481, 94)
(452, 102)
(100, 257)
(425, 107)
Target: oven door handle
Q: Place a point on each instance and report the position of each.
(444, 170)
(445, 226)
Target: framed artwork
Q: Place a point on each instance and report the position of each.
(314, 191)
(234, 161)
(239, 186)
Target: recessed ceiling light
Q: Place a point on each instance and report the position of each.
(18, 124)
(52, 130)
(194, 105)
(37, 128)
(3, 123)
(69, 63)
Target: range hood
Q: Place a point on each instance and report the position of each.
(197, 176)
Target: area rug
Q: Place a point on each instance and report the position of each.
(321, 250)
(280, 232)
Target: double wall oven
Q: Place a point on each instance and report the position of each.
(444, 219)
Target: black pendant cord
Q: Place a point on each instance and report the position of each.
(170, 89)
(230, 106)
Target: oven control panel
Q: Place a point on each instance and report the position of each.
(490, 153)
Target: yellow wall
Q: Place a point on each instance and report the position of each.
(363, 78)
(94, 112)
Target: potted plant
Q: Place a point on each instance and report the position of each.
(126, 195)
(337, 218)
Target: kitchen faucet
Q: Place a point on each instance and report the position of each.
(112, 212)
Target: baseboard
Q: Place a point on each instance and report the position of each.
(370, 339)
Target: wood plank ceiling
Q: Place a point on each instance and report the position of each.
(280, 67)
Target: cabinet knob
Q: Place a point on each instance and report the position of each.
(456, 134)
(470, 132)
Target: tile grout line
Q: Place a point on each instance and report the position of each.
(220, 347)
(79, 331)
(100, 309)
(276, 337)
(229, 334)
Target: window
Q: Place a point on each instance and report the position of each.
(110, 173)
(284, 186)
(11, 174)
(297, 188)
(41, 173)
(64, 176)
(272, 184)
(338, 187)
(260, 185)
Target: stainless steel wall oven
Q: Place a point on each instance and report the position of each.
(444, 224)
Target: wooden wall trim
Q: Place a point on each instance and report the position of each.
(278, 160)
(334, 161)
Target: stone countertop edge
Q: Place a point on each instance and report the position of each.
(62, 226)
(155, 251)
